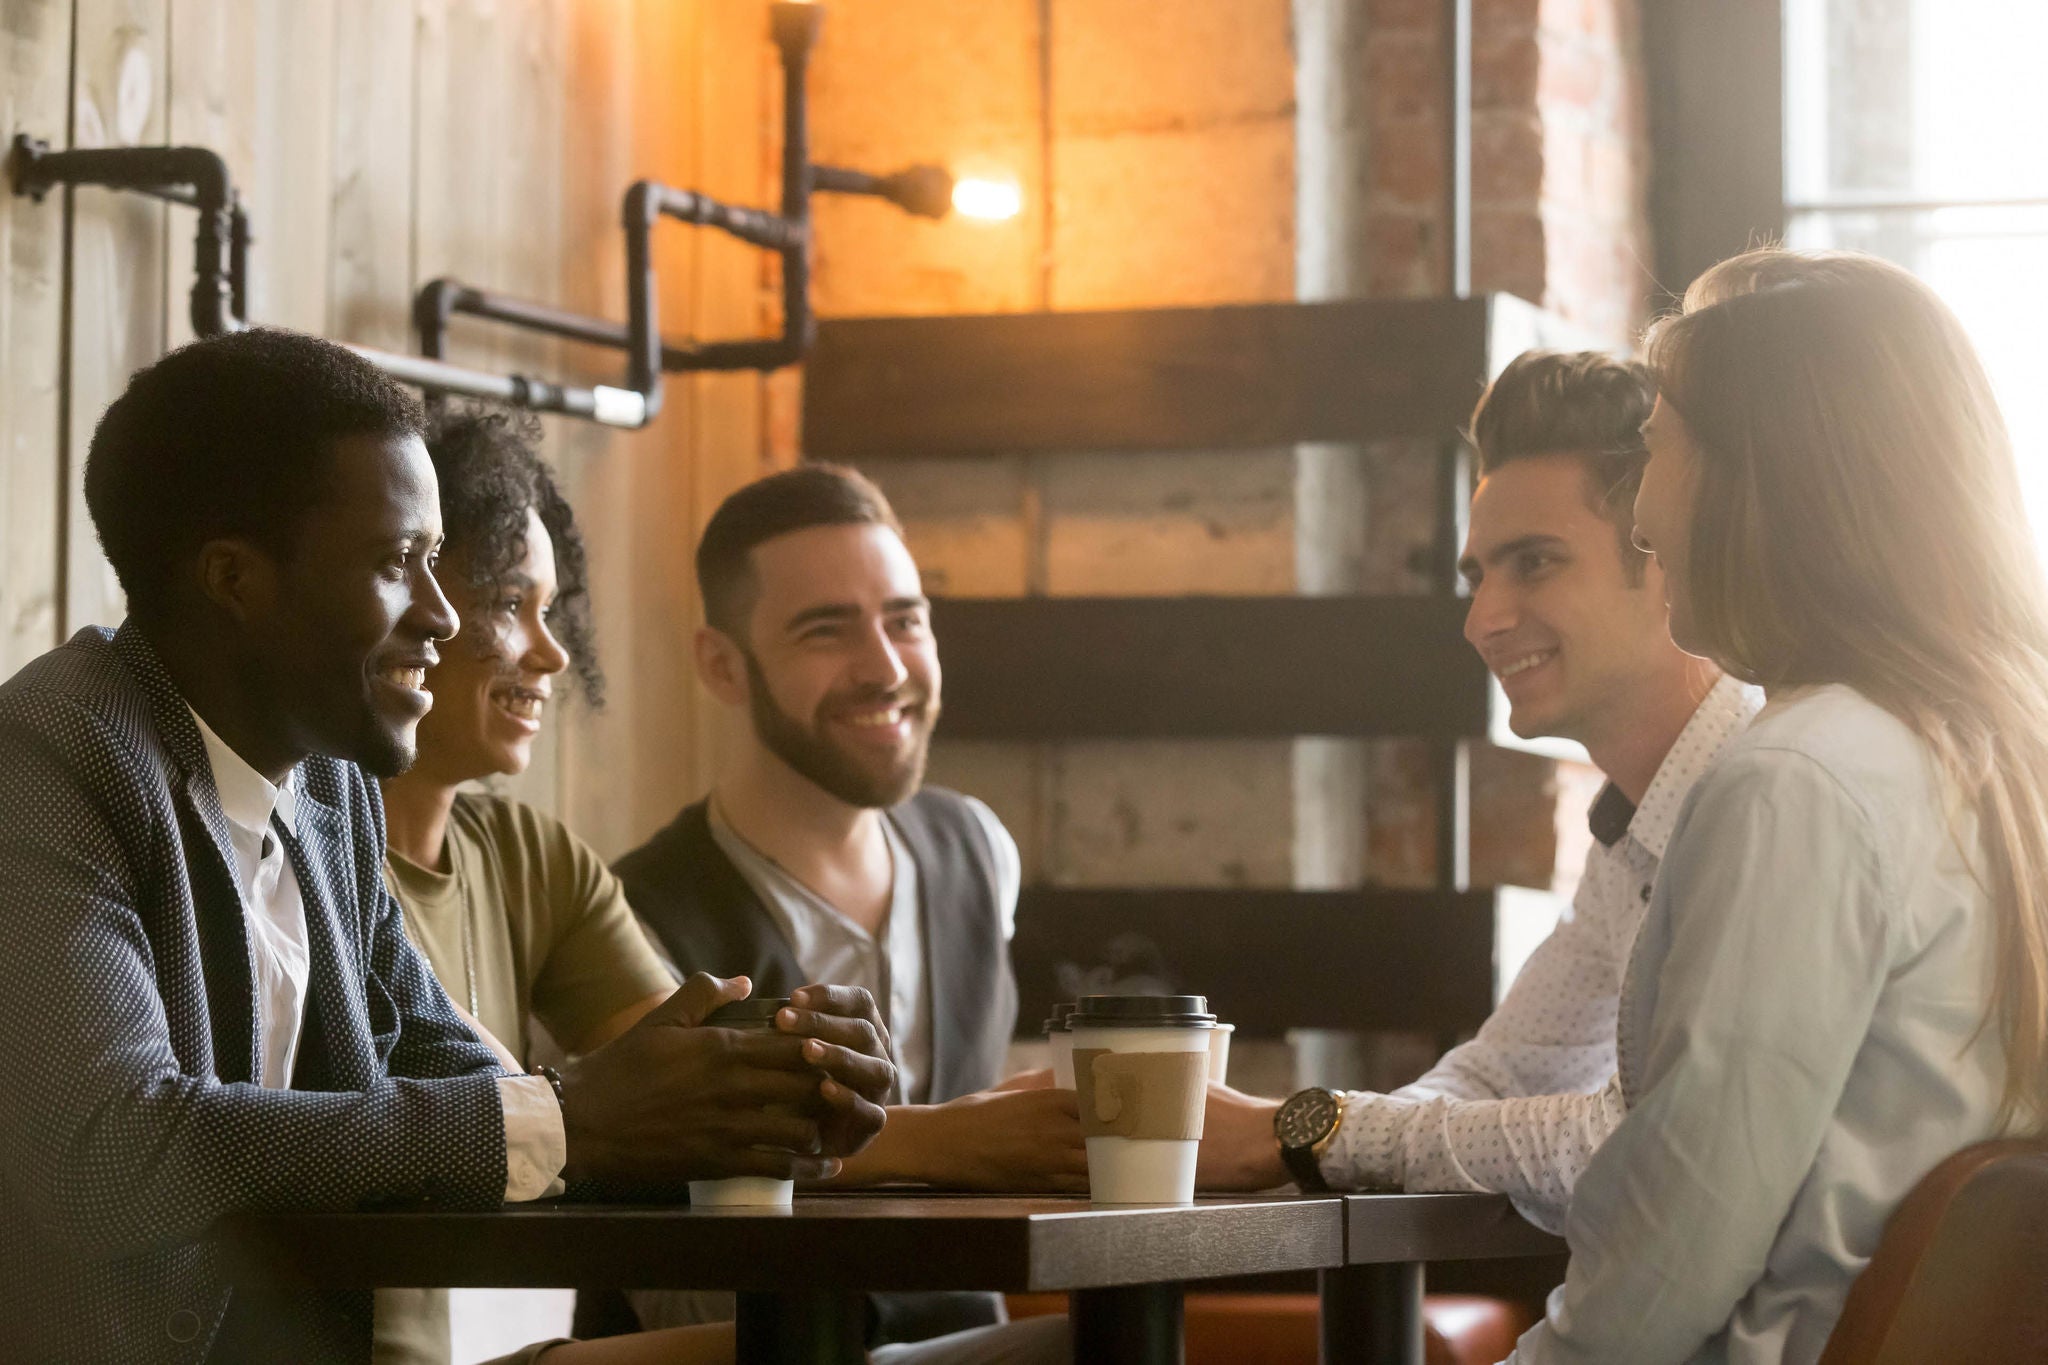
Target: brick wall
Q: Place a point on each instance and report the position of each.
(1158, 146)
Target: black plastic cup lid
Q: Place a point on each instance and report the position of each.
(1142, 1011)
(759, 1012)
(1060, 1014)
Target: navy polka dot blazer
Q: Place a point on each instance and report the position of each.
(128, 1120)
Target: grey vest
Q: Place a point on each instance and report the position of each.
(709, 919)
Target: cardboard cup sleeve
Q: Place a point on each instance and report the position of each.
(1141, 1094)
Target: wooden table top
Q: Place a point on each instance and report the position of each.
(866, 1241)
(1379, 1228)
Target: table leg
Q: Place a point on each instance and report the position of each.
(1372, 1314)
(816, 1328)
(1131, 1325)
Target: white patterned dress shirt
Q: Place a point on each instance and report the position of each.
(1521, 1108)
(536, 1147)
(1800, 1043)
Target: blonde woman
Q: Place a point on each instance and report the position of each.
(1842, 976)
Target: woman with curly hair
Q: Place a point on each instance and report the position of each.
(520, 918)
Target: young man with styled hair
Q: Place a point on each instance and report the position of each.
(1571, 618)
(820, 854)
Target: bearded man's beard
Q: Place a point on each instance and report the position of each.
(806, 750)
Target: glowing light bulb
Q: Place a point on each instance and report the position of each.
(991, 200)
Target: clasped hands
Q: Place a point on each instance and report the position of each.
(671, 1100)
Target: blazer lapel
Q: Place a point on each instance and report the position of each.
(218, 914)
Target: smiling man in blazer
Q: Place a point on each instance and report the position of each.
(208, 999)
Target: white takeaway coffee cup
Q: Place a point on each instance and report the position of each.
(1219, 1053)
(1062, 1044)
(1141, 1071)
(755, 1015)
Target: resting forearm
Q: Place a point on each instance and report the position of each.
(163, 1162)
(901, 1152)
(1532, 1149)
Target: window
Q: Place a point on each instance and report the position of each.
(1918, 130)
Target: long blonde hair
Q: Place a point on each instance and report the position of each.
(1857, 519)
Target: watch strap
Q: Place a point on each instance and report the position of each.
(1305, 1165)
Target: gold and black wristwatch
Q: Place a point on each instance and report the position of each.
(1304, 1125)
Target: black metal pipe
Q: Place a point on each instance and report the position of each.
(199, 178)
(194, 176)
(600, 403)
(926, 191)
(796, 32)
(1457, 16)
(238, 260)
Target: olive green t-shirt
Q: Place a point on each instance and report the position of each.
(525, 921)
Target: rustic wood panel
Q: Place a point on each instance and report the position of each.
(255, 82)
(1073, 668)
(370, 271)
(1269, 960)
(599, 159)
(118, 263)
(732, 295)
(642, 496)
(35, 64)
(1156, 379)
(626, 769)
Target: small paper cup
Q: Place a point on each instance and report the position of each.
(755, 1015)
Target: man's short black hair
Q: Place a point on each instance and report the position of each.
(491, 474)
(230, 436)
(1585, 404)
(816, 494)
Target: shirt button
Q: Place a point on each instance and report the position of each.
(183, 1325)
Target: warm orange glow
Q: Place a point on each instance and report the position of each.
(990, 200)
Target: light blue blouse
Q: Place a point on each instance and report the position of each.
(1799, 1044)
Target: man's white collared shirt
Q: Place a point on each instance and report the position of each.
(272, 908)
(1521, 1108)
(536, 1146)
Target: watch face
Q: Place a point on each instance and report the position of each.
(1306, 1118)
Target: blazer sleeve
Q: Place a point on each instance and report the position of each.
(109, 1143)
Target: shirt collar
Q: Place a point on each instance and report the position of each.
(1728, 706)
(247, 797)
(1610, 816)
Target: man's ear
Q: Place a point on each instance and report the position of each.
(721, 665)
(238, 578)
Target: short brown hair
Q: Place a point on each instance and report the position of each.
(794, 500)
(1586, 404)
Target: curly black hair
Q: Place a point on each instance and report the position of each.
(491, 473)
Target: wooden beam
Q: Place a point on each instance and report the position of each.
(1269, 960)
(1075, 667)
(1152, 379)
(1717, 131)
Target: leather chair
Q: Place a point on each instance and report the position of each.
(1281, 1329)
(1961, 1276)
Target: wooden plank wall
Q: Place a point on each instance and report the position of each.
(35, 77)
(379, 143)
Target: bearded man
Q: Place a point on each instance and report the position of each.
(820, 856)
